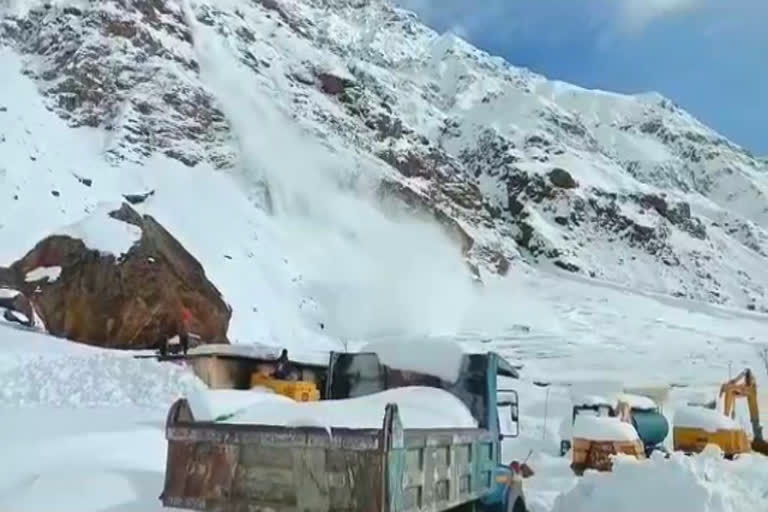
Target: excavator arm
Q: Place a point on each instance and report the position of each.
(744, 385)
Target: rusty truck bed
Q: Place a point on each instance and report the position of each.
(219, 467)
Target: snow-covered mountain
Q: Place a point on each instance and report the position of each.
(280, 136)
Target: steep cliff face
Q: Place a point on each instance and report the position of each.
(522, 171)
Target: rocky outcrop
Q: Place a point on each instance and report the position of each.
(129, 301)
(107, 66)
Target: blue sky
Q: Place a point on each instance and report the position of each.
(709, 56)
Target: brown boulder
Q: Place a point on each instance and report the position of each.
(133, 301)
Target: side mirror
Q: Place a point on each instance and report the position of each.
(514, 412)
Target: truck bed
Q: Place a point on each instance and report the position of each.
(221, 467)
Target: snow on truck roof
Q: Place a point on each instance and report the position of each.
(603, 428)
(710, 420)
(256, 351)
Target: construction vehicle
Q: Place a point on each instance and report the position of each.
(213, 466)
(730, 437)
(299, 390)
(641, 412)
(596, 439)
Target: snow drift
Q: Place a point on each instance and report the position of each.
(419, 407)
(702, 483)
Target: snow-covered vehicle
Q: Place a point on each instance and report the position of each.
(644, 415)
(298, 463)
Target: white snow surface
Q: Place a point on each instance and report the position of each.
(710, 420)
(101, 232)
(704, 483)
(419, 407)
(441, 358)
(637, 401)
(603, 428)
(50, 274)
(212, 404)
(8, 293)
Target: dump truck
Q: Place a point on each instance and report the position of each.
(214, 466)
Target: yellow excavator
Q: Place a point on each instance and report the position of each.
(732, 441)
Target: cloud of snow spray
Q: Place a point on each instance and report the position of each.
(369, 273)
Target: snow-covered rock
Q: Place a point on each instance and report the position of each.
(116, 279)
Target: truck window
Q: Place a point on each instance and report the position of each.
(357, 375)
(471, 388)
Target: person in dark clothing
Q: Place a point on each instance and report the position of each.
(163, 349)
(186, 317)
(284, 370)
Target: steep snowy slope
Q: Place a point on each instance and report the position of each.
(268, 130)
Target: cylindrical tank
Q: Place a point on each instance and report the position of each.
(651, 426)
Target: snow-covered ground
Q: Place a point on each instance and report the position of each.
(73, 413)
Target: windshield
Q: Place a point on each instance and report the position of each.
(355, 375)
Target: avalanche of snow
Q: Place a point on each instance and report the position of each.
(710, 420)
(50, 274)
(602, 428)
(101, 232)
(433, 357)
(418, 407)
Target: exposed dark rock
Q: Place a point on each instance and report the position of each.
(332, 84)
(138, 198)
(570, 267)
(562, 178)
(85, 181)
(131, 302)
